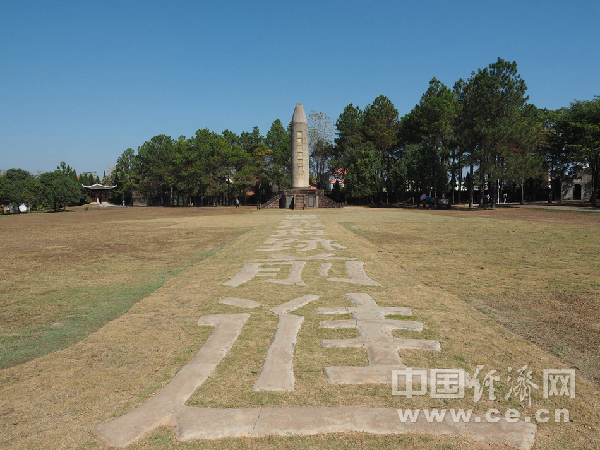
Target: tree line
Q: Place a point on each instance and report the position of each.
(206, 169)
(479, 136)
(49, 190)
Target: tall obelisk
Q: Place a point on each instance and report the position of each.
(300, 170)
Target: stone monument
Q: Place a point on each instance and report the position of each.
(301, 195)
(300, 155)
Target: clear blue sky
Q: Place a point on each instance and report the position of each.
(81, 81)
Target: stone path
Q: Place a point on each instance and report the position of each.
(297, 236)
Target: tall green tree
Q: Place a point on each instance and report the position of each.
(349, 127)
(59, 189)
(154, 160)
(581, 127)
(349, 136)
(559, 156)
(239, 175)
(380, 127)
(195, 168)
(278, 140)
(363, 181)
(124, 176)
(492, 101)
(431, 124)
(422, 170)
(376, 126)
(465, 139)
(210, 167)
(32, 192)
(71, 173)
(15, 184)
(254, 144)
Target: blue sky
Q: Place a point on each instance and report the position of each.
(81, 81)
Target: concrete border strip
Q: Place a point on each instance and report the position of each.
(214, 423)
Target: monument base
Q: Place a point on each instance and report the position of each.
(301, 198)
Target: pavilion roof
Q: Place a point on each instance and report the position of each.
(99, 187)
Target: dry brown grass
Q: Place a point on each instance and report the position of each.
(63, 396)
(535, 271)
(65, 275)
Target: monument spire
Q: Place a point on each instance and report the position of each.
(300, 168)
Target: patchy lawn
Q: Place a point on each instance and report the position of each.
(64, 275)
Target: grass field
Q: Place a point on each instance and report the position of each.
(536, 272)
(63, 276)
(98, 312)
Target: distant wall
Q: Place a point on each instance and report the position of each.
(577, 186)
